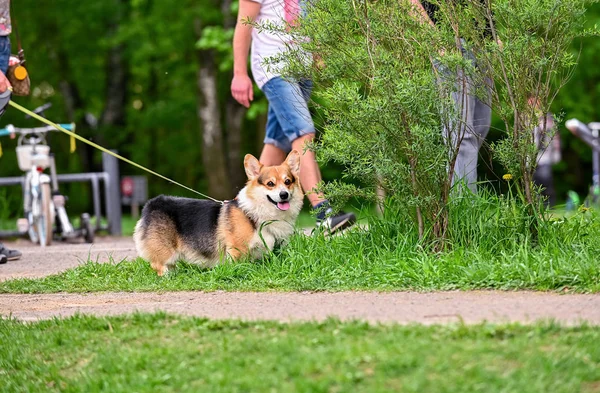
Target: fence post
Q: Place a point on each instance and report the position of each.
(113, 193)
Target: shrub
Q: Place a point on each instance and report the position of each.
(385, 103)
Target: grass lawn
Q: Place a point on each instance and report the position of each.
(162, 353)
(490, 248)
(380, 258)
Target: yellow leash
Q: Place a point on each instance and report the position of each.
(73, 135)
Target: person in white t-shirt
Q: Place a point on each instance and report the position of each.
(289, 122)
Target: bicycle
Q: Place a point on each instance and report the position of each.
(42, 202)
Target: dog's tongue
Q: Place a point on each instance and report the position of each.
(283, 205)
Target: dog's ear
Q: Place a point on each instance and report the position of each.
(293, 161)
(252, 166)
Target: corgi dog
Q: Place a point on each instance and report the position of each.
(202, 231)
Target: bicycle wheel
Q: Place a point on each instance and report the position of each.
(43, 224)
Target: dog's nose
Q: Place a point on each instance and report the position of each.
(284, 195)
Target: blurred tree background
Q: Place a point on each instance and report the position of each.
(151, 79)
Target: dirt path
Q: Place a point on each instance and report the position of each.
(400, 307)
(60, 256)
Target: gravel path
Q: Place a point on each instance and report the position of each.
(398, 307)
(60, 256)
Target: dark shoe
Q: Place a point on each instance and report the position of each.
(337, 222)
(11, 255)
(3, 259)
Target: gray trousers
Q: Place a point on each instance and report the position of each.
(543, 177)
(472, 108)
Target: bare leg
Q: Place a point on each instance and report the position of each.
(310, 174)
(272, 155)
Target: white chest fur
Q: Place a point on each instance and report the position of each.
(273, 226)
(268, 235)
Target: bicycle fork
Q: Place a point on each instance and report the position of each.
(32, 191)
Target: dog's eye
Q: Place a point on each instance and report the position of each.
(271, 184)
(287, 182)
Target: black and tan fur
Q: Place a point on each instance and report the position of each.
(204, 231)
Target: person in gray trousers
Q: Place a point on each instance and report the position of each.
(475, 119)
(547, 141)
(472, 97)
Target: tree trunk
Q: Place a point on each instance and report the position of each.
(234, 118)
(116, 88)
(117, 72)
(209, 113)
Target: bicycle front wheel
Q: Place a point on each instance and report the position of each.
(43, 224)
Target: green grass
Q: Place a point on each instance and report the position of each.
(360, 260)
(491, 248)
(163, 353)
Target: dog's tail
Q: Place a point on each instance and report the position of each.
(138, 236)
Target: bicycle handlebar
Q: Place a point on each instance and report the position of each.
(40, 109)
(10, 129)
(584, 132)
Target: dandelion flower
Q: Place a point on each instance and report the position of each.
(507, 177)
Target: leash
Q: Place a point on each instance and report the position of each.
(82, 139)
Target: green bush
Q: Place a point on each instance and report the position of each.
(385, 103)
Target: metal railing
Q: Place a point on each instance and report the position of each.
(112, 193)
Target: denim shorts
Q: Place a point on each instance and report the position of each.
(4, 53)
(288, 117)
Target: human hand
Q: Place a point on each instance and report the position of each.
(241, 89)
(12, 60)
(4, 83)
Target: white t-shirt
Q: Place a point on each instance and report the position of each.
(5, 27)
(267, 44)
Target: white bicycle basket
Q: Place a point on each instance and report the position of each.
(29, 155)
